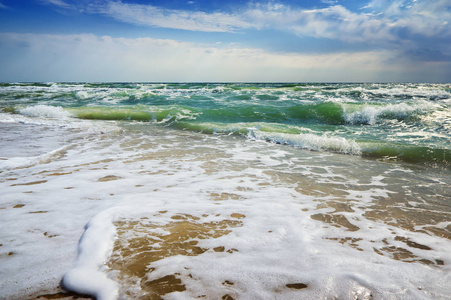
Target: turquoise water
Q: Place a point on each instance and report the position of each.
(410, 122)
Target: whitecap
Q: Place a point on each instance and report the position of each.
(372, 114)
(310, 141)
(45, 111)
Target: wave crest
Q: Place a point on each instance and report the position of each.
(372, 114)
(45, 111)
(310, 141)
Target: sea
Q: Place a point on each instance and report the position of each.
(225, 191)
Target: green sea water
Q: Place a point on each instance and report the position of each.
(410, 122)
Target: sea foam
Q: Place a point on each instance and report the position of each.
(45, 111)
(310, 141)
(94, 247)
(371, 114)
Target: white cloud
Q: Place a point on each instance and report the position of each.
(169, 18)
(330, 2)
(382, 25)
(2, 6)
(428, 18)
(58, 3)
(380, 22)
(334, 22)
(39, 57)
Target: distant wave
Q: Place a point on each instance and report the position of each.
(371, 114)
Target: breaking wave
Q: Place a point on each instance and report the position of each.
(45, 111)
(371, 114)
(310, 142)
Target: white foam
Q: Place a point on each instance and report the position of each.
(390, 91)
(94, 248)
(180, 172)
(82, 95)
(26, 162)
(57, 117)
(311, 142)
(45, 111)
(277, 245)
(373, 114)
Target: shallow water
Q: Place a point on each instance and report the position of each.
(142, 210)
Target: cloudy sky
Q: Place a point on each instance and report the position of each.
(225, 40)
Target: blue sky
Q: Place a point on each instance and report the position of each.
(197, 40)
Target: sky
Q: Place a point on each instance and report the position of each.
(225, 41)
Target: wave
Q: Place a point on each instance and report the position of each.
(335, 113)
(45, 111)
(311, 126)
(330, 104)
(240, 128)
(310, 141)
(409, 153)
(43, 115)
(327, 112)
(254, 91)
(371, 114)
(26, 162)
(136, 113)
(440, 158)
(33, 84)
(279, 134)
(125, 113)
(399, 91)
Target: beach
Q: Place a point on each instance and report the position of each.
(225, 191)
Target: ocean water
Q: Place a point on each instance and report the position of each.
(225, 191)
